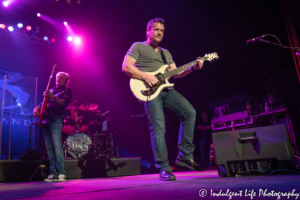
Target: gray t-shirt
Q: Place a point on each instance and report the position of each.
(147, 59)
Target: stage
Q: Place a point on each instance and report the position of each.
(187, 186)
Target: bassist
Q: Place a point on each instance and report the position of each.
(58, 99)
(148, 57)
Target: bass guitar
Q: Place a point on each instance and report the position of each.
(44, 105)
(143, 92)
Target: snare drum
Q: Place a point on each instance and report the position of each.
(68, 125)
(78, 141)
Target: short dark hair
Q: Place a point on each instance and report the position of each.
(152, 21)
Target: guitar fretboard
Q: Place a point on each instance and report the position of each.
(181, 68)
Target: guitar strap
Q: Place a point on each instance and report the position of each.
(163, 57)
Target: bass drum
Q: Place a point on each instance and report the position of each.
(77, 141)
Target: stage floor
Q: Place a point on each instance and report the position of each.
(187, 186)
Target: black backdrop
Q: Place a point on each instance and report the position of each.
(193, 28)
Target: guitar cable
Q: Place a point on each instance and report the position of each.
(144, 107)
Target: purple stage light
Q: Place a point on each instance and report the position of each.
(20, 25)
(65, 23)
(70, 38)
(10, 28)
(5, 3)
(2, 26)
(77, 40)
(38, 14)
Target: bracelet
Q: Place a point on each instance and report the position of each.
(193, 68)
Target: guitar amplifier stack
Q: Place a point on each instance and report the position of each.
(253, 151)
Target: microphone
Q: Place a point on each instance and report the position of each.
(254, 39)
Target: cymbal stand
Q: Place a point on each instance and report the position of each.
(30, 131)
(95, 141)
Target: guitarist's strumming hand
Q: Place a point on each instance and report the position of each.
(199, 65)
(150, 80)
(36, 111)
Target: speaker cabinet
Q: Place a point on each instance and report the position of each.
(253, 151)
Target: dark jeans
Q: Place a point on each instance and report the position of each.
(204, 148)
(170, 100)
(52, 135)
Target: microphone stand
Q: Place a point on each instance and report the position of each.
(297, 49)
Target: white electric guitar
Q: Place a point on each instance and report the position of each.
(145, 93)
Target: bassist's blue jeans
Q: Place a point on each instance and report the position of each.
(171, 100)
(52, 135)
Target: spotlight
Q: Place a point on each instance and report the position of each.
(65, 23)
(20, 25)
(19, 104)
(2, 26)
(10, 28)
(5, 3)
(38, 14)
(28, 28)
(70, 38)
(77, 40)
(52, 40)
(45, 38)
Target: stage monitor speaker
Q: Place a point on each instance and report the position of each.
(253, 151)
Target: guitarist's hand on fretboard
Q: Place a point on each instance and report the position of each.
(199, 64)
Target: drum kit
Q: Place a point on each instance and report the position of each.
(79, 143)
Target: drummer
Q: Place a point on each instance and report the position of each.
(79, 122)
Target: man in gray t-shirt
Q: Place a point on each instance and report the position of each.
(147, 57)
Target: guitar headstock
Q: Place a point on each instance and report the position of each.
(211, 57)
(53, 70)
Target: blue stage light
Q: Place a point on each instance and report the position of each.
(20, 25)
(45, 38)
(70, 38)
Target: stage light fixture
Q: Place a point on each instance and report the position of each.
(77, 40)
(19, 104)
(28, 28)
(38, 14)
(70, 38)
(5, 3)
(65, 23)
(10, 28)
(52, 40)
(45, 38)
(20, 25)
(2, 26)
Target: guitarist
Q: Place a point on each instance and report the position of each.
(58, 99)
(148, 57)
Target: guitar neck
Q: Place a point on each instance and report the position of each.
(181, 68)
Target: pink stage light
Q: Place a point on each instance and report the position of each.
(2, 26)
(65, 23)
(5, 3)
(38, 14)
(28, 28)
(52, 40)
(77, 40)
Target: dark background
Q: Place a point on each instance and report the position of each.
(193, 28)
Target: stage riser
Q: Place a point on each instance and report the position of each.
(76, 169)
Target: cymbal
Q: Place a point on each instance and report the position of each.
(71, 106)
(88, 106)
